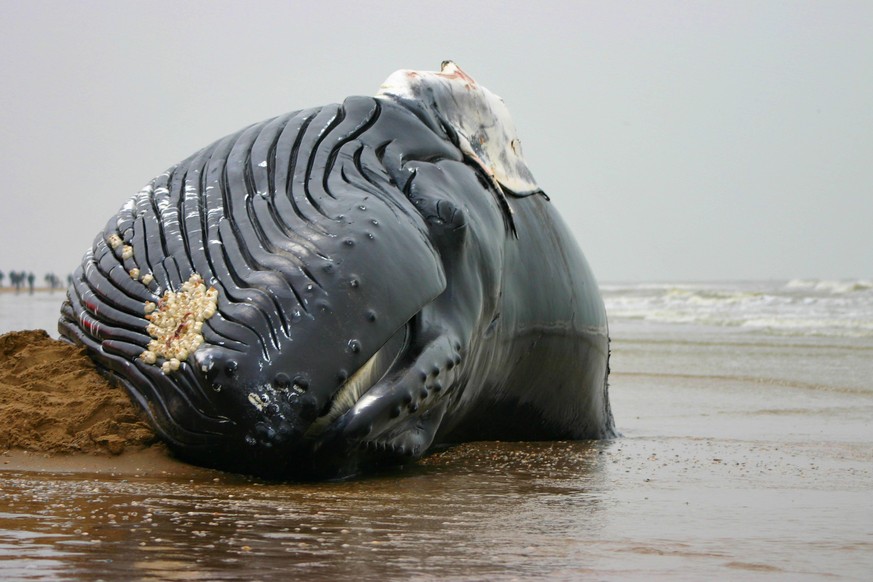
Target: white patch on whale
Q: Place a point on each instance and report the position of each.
(481, 119)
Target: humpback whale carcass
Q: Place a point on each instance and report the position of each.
(344, 287)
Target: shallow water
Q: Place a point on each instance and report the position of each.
(746, 454)
(41, 310)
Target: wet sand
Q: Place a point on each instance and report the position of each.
(737, 461)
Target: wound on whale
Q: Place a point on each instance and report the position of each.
(343, 288)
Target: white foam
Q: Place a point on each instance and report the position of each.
(799, 307)
(831, 286)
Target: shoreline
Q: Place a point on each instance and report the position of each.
(150, 461)
(26, 290)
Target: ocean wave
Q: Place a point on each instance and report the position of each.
(798, 307)
(830, 286)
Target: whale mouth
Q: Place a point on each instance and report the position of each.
(367, 376)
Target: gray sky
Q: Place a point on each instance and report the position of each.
(680, 140)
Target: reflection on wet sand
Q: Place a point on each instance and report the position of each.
(476, 510)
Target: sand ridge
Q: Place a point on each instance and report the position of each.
(53, 400)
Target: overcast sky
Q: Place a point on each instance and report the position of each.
(680, 140)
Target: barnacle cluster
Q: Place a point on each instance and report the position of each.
(176, 323)
(115, 242)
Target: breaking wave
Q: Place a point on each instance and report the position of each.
(807, 307)
(833, 287)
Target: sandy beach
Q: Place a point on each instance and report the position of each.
(390, 160)
(746, 454)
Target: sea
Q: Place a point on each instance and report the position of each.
(809, 308)
(797, 308)
(746, 452)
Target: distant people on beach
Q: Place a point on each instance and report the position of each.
(18, 279)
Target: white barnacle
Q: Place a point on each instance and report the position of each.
(149, 306)
(208, 311)
(134, 273)
(148, 357)
(126, 252)
(147, 278)
(165, 367)
(256, 401)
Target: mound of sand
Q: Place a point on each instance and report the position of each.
(53, 400)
